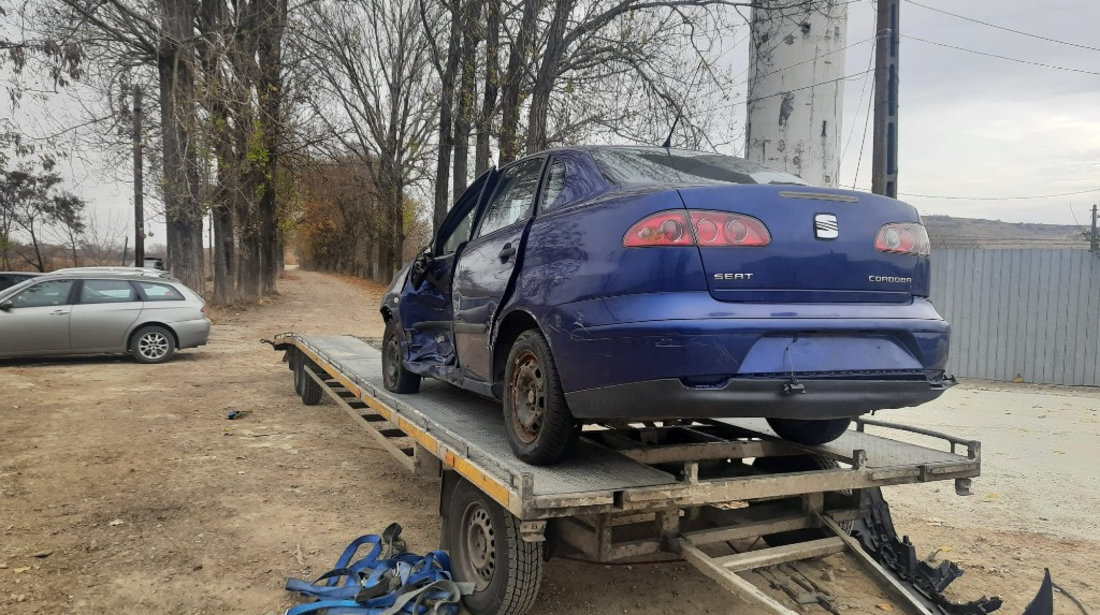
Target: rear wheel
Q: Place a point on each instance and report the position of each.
(153, 344)
(809, 432)
(540, 428)
(394, 375)
(487, 549)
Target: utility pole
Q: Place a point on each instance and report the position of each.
(884, 170)
(1094, 239)
(796, 87)
(139, 208)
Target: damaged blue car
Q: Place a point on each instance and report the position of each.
(624, 284)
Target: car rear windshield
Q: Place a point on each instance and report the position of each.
(629, 166)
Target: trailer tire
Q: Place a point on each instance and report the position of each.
(540, 428)
(295, 360)
(833, 499)
(305, 385)
(395, 377)
(811, 432)
(487, 549)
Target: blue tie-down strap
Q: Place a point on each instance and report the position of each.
(388, 580)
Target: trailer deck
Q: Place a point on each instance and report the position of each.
(632, 490)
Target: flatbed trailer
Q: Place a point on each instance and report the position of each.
(707, 491)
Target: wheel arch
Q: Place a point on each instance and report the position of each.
(154, 323)
(511, 327)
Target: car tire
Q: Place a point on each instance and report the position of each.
(395, 377)
(488, 550)
(811, 432)
(152, 344)
(537, 421)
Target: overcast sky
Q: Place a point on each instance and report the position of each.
(970, 126)
(974, 126)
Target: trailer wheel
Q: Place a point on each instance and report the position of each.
(394, 375)
(833, 499)
(487, 549)
(537, 421)
(811, 432)
(295, 360)
(306, 386)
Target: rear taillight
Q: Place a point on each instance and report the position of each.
(706, 228)
(903, 238)
(666, 228)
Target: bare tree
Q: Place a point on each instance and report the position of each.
(374, 69)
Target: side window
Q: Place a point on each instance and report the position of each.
(514, 196)
(555, 184)
(461, 232)
(44, 294)
(107, 291)
(159, 292)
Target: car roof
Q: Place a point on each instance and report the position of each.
(114, 272)
(26, 273)
(650, 148)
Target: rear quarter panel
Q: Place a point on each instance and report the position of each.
(577, 253)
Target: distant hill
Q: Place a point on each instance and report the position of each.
(952, 232)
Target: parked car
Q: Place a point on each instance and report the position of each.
(620, 284)
(11, 278)
(92, 311)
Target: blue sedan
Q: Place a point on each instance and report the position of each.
(623, 284)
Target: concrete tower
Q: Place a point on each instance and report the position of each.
(796, 87)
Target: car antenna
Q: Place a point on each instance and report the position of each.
(668, 140)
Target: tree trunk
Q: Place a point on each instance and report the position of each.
(512, 85)
(467, 90)
(182, 211)
(270, 93)
(544, 79)
(223, 249)
(492, 85)
(446, 108)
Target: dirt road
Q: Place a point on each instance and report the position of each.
(124, 489)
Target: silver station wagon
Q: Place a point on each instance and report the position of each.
(102, 310)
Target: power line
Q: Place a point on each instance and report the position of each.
(1006, 29)
(993, 55)
(784, 92)
(998, 198)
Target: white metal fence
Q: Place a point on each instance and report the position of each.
(1031, 313)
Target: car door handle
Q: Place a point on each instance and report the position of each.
(507, 252)
(59, 312)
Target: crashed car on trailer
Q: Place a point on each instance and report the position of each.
(618, 284)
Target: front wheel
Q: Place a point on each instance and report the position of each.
(394, 375)
(810, 432)
(540, 428)
(153, 344)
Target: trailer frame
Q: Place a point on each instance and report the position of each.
(685, 487)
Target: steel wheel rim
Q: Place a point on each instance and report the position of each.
(153, 345)
(528, 392)
(478, 544)
(392, 363)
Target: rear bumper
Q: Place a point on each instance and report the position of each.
(652, 337)
(192, 333)
(826, 398)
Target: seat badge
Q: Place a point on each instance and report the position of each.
(825, 226)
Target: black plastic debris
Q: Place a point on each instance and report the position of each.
(875, 531)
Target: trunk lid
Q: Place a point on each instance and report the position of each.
(822, 247)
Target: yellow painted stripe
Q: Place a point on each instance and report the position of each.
(469, 470)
